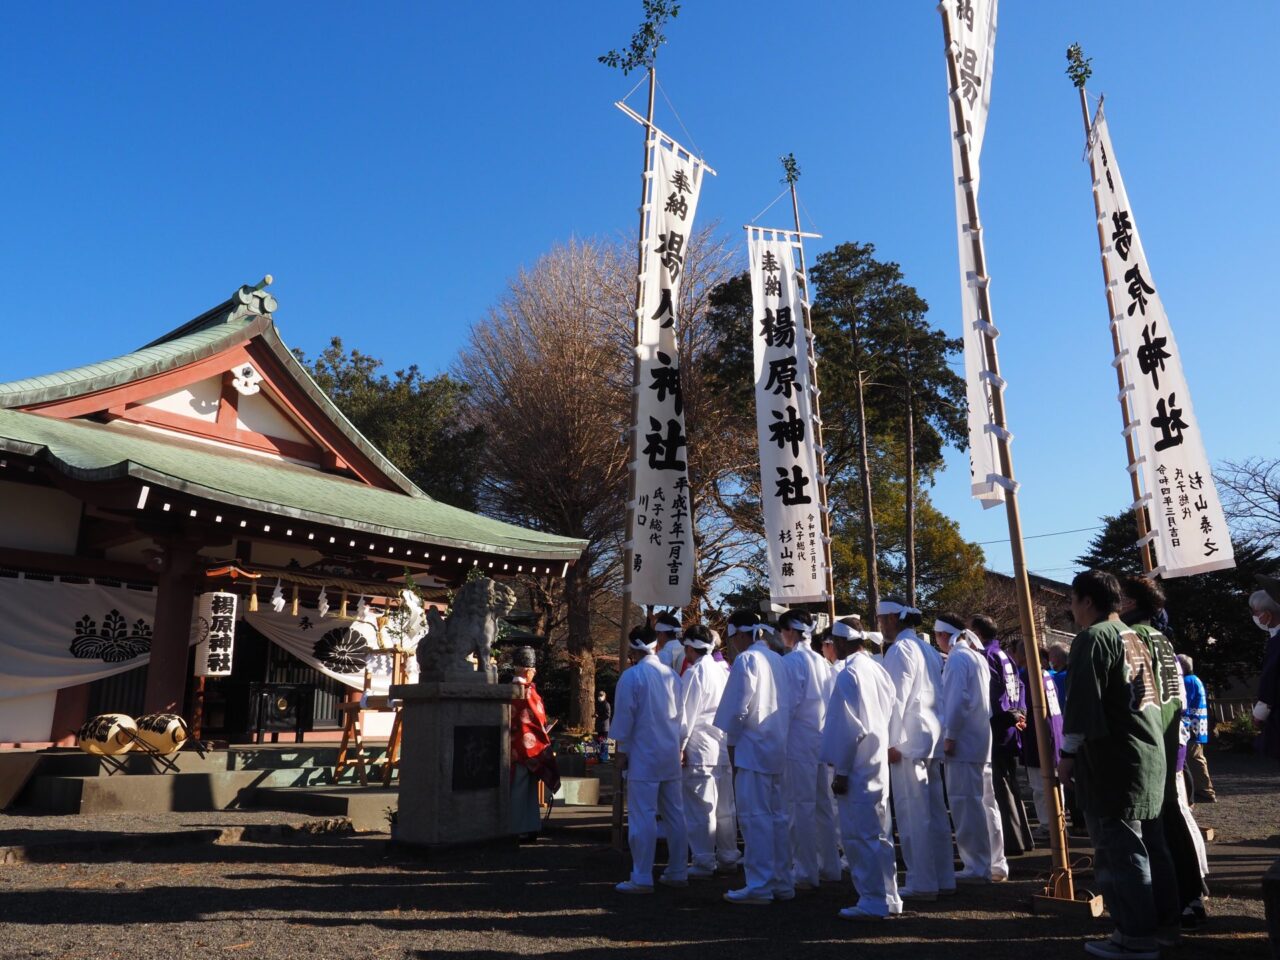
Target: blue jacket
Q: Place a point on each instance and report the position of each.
(1196, 717)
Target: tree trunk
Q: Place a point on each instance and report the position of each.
(911, 488)
(869, 537)
(581, 648)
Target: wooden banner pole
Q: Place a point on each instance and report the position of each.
(803, 276)
(1060, 886)
(619, 836)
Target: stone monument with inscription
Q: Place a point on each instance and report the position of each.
(455, 769)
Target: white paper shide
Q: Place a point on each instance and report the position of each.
(1190, 531)
(789, 478)
(662, 536)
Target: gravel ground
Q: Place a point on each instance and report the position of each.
(344, 896)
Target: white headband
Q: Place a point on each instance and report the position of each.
(665, 628)
(875, 637)
(638, 644)
(734, 629)
(941, 626)
(698, 644)
(788, 623)
(887, 607)
(844, 631)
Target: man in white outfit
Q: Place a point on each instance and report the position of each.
(670, 649)
(915, 764)
(815, 840)
(754, 715)
(647, 728)
(863, 719)
(708, 777)
(966, 745)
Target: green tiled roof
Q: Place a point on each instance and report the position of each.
(105, 374)
(244, 316)
(91, 451)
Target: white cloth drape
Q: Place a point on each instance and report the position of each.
(56, 633)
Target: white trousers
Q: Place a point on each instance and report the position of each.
(866, 830)
(811, 812)
(923, 826)
(710, 816)
(762, 818)
(979, 833)
(645, 800)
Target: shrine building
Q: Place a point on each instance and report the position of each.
(207, 459)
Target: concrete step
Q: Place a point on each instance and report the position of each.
(293, 756)
(142, 793)
(75, 763)
(368, 808)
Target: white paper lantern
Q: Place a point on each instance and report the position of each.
(165, 733)
(109, 734)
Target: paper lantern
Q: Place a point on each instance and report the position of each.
(165, 733)
(109, 734)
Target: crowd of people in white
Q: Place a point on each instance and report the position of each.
(798, 744)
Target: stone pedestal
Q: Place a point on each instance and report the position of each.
(455, 767)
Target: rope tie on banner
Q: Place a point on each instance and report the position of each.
(1140, 501)
(1002, 432)
(1143, 541)
(1128, 388)
(1133, 467)
(987, 328)
(994, 379)
(1119, 359)
(1130, 427)
(1011, 485)
(973, 279)
(1158, 571)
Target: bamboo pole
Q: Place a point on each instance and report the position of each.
(803, 277)
(1061, 884)
(1126, 412)
(628, 553)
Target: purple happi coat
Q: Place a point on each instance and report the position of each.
(1030, 748)
(1007, 701)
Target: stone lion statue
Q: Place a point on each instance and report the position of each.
(471, 627)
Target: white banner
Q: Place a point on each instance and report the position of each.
(56, 633)
(785, 423)
(342, 649)
(1190, 530)
(213, 631)
(662, 537)
(972, 28)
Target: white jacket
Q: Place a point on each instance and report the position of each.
(916, 669)
(812, 680)
(702, 687)
(966, 703)
(755, 710)
(646, 720)
(863, 721)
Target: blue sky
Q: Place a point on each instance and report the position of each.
(393, 164)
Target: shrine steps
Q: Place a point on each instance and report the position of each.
(67, 781)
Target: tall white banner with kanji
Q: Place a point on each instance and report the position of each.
(785, 426)
(972, 29)
(1187, 521)
(662, 564)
